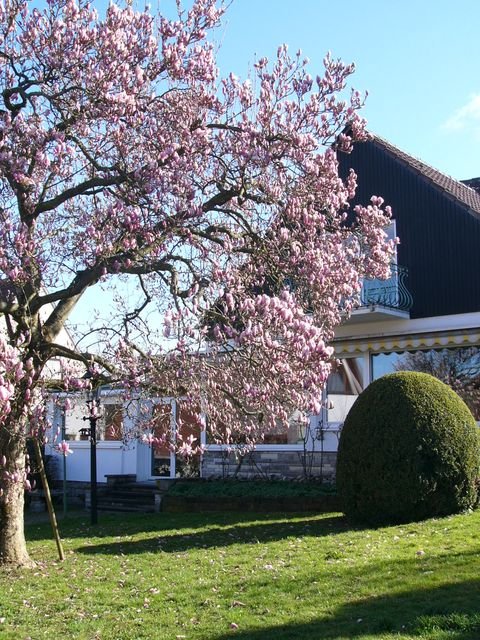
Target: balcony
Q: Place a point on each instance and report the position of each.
(384, 299)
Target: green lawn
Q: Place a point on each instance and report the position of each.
(168, 576)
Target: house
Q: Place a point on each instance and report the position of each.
(426, 316)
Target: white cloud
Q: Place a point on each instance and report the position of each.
(465, 117)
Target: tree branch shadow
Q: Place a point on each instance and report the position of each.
(214, 530)
(449, 611)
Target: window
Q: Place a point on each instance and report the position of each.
(112, 427)
(164, 461)
(161, 458)
(189, 425)
(293, 434)
(458, 367)
(344, 384)
(109, 425)
(384, 292)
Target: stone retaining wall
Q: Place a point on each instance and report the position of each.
(270, 464)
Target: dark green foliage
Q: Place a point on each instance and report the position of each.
(250, 488)
(409, 450)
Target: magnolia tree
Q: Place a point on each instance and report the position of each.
(213, 208)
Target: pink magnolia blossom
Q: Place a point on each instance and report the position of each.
(148, 439)
(63, 447)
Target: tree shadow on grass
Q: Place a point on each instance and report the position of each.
(77, 525)
(449, 611)
(212, 530)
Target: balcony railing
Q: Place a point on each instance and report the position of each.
(391, 293)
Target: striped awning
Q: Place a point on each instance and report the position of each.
(406, 343)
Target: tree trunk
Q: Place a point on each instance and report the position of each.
(13, 548)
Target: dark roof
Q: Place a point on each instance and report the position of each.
(454, 188)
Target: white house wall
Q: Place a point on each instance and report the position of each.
(112, 459)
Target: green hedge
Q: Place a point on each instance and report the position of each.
(249, 488)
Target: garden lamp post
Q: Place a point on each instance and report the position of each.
(64, 437)
(93, 404)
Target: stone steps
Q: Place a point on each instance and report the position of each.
(123, 494)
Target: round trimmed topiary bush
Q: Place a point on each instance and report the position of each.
(409, 450)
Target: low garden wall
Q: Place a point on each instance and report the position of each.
(289, 465)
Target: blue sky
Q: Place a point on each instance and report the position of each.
(419, 61)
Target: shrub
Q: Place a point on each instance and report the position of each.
(250, 488)
(409, 450)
